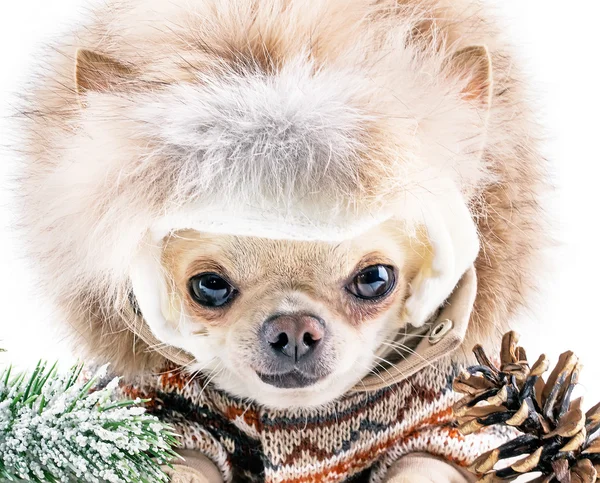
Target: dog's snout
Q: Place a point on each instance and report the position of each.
(294, 350)
(294, 336)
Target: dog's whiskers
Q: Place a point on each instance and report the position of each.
(405, 377)
(399, 347)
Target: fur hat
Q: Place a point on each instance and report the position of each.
(272, 119)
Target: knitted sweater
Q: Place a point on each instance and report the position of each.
(354, 439)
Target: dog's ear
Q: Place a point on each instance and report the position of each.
(474, 65)
(99, 73)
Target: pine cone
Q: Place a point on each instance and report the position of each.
(558, 439)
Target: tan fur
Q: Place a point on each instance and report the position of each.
(97, 72)
(94, 180)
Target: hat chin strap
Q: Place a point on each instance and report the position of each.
(439, 338)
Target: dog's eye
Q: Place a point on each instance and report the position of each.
(210, 290)
(372, 282)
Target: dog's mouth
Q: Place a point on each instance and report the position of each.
(289, 380)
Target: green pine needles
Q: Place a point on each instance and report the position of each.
(56, 427)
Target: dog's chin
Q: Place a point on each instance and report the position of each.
(292, 390)
(289, 380)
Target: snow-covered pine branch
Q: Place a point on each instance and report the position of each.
(55, 427)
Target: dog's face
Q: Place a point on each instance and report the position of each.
(288, 323)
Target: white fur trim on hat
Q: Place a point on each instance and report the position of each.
(243, 221)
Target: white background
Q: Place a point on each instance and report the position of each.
(559, 44)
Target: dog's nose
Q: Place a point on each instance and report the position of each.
(294, 336)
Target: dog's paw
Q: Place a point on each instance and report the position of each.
(184, 474)
(410, 478)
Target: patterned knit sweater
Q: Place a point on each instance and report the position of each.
(354, 439)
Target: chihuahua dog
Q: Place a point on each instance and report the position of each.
(282, 195)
